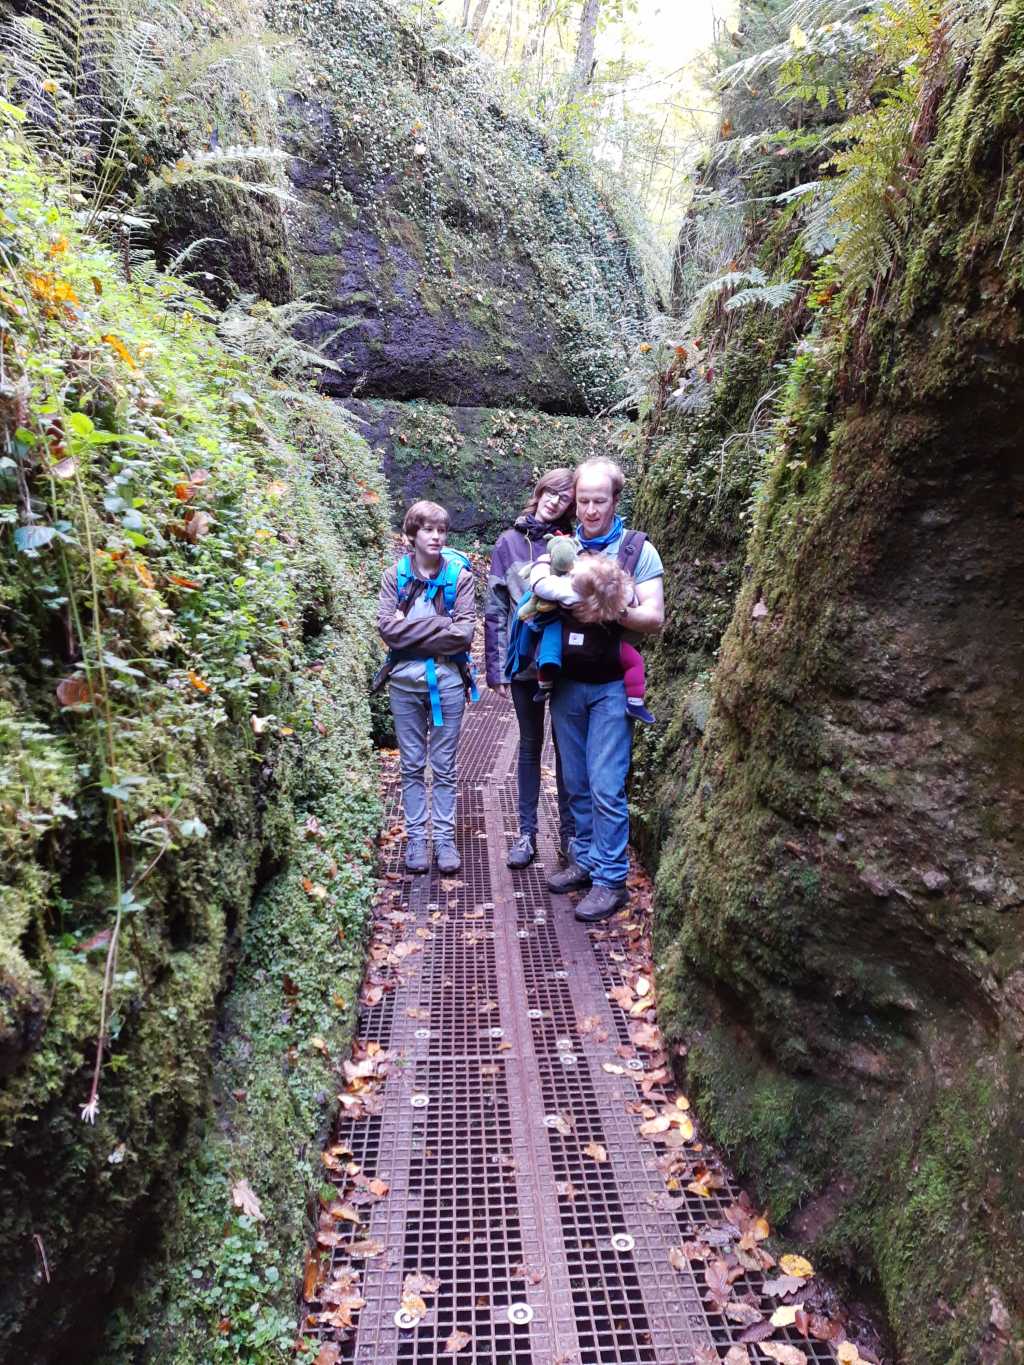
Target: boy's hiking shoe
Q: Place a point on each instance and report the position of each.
(636, 710)
(417, 856)
(448, 859)
(600, 902)
(522, 852)
(571, 878)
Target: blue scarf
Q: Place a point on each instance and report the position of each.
(600, 542)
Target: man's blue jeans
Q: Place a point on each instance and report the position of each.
(595, 741)
(418, 737)
(530, 715)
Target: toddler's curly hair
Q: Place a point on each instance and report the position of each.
(604, 589)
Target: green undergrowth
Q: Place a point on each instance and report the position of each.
(186, 637)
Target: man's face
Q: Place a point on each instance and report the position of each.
(429, 540)
(595, 504)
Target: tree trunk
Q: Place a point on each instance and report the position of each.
(583, 68)
(479, 16)
(466, 4)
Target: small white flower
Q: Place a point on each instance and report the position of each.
(90, 1110)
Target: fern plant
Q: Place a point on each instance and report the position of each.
(89, 78)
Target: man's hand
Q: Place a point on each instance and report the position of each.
(500, 688)
(648, 616)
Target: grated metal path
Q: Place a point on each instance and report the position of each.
(495, 1112)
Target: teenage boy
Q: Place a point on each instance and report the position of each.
(426, 614)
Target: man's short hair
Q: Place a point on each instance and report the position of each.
(420, 513)
(605, 466)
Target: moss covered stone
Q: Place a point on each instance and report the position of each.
(480, 463)
(217, 671)
(839, 898)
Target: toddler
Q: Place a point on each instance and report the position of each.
(599, 592)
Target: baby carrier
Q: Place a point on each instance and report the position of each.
(409, 587)
(524, 636)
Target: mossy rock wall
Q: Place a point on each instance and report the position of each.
(839, 902)
(236, 654)
(479, 463)
(460, 259)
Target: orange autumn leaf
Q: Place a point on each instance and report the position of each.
(58, 247)
(117, 345)
(50, 289)
(181, 582)
(73, 691)
(310, 1278)
(200, 684)
(143, 574)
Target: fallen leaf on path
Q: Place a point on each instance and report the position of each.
(414, 1305)
(566, 1190)
(244, 1197)
(595, 1150)
(368, 1247)
(456, 1342)
(785, 1315)
(328, 1354)
(341, 1316)
(758, 1331)
(785, 1355)
(797, 1266)
(310, 1277)
(744, 1313)
(706, 1355)
(737, 1355)
(848, 1353)
(613, 1069)
(784, 1284)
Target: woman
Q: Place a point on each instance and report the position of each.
(426, 614)
(548, 511)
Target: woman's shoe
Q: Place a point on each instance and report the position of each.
(522, 852)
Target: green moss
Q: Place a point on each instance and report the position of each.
(236, 661)
(850, 1016)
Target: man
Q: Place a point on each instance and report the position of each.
(588, 706)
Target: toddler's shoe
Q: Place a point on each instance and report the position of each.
(417, 858)
(636, 710)
(447, 856)
(542, 694)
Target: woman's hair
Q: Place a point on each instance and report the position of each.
(420, 513)
(604, 589)
(554, 481)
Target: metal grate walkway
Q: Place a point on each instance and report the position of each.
(504, 1125)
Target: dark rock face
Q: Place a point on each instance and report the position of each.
(458, 259)
(479, 463)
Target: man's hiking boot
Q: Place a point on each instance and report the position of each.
(571, 878)
(417, 856)
(600, 902)
(522, 852)
(448, 859)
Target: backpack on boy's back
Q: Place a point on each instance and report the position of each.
(409, 586)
